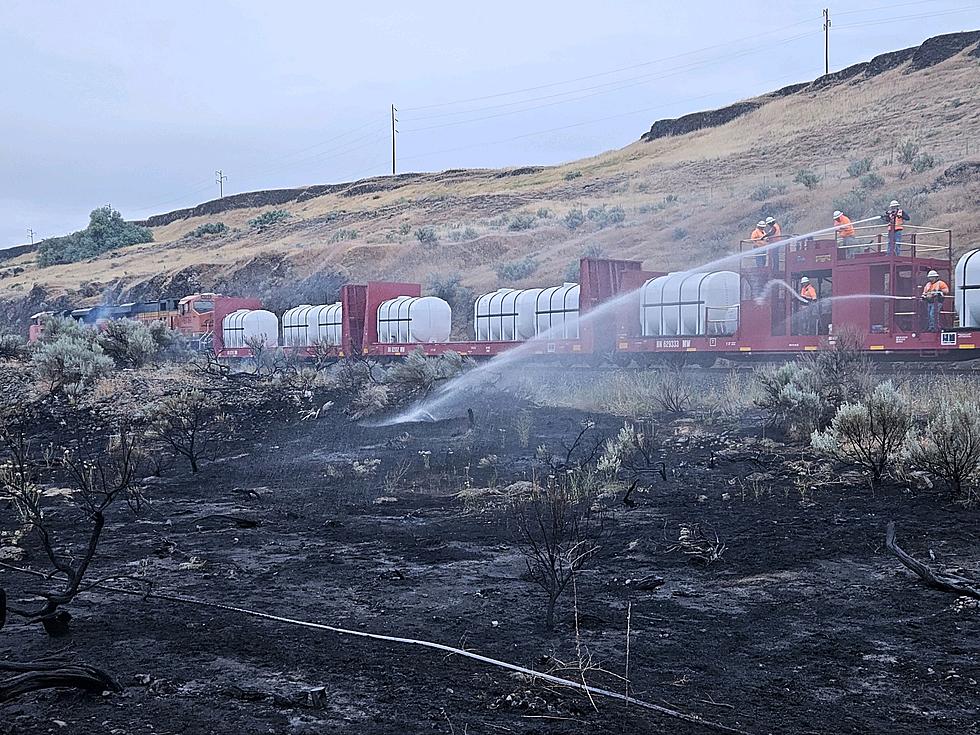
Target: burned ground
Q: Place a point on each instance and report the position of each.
(806, 624)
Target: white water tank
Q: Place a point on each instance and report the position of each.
(966, 291)
(303, 326)
(556, 311)
(505, 315)
(414, 319)
(690, 304)
(510, 314)
(245, 324)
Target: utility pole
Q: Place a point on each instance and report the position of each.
(393, 131)
(31, 233)
(826, 40)
(220, 179)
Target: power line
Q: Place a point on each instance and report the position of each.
(574, 125)
(865, 23)
(220, 179)
(626, 84)
(726, 44)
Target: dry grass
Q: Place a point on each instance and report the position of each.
(711, 172)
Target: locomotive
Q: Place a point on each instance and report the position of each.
(621, 313)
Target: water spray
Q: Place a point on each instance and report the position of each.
(432, 407)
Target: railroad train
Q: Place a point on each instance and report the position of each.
(619, 312)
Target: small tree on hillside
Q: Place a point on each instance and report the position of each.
(107, 230)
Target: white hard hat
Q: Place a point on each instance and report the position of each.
(760, 223)
(838, 214)
(894, 203)
(805, 279)
(770, 220)
(932, 274)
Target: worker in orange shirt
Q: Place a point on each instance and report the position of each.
(758, 238)
(934, 293)
(896, 217)
(809, 310)
(845, 233)
(773, 230)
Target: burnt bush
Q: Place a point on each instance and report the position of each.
(558, 530)
(183, 421)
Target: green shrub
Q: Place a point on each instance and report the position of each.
(679, 233)
(766, 192)
(344, 234)
(593, 251)
(572, 175)
(460, 298)
(859, 167)
(808, 178)
(129, 343)
(426, 235)
(268, 219)
(950, 446)
(106, 231)
(209, 228)
(404, 228)
(573, 219)
(544, 213)
(802, 396)
(907, 152)
(871, 434)
(461, 235)
(417, 375)
(854, 203)
(573, 271)
(522, 221)
(872, 181)
(12, 347)
(923, 162)
(604, 217)
(70, 362)
(517, 270)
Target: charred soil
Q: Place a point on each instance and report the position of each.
(806, 623)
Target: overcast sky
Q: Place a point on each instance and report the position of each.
(136, 104)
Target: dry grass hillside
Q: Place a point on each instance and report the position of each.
(670, 202)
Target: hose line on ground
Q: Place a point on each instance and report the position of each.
(667, 711)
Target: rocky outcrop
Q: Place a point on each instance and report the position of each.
(965, 172)
(932, 51)
(700, 120)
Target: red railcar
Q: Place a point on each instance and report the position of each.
(861, 289)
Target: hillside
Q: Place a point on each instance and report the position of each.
(686, 191)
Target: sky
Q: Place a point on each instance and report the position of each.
(137, 104)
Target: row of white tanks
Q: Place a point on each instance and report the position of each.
(675, 304)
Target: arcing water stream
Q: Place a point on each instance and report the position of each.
(441, 403)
